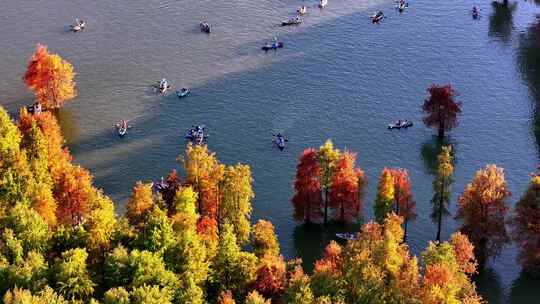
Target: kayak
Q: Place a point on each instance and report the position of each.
(273, 46)
(122, 131)
(78, 26)
(205, 27)
(182, 93)
(402, 6)
(280, 141)
(377, 17)
(323, 3)
(196, 135)
(302, 10)
(292, 21)
(400, 124)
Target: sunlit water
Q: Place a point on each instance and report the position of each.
(338, 77)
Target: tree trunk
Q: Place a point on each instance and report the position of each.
(441, 131)
(342, 212)
(405, 230)
(325, 205)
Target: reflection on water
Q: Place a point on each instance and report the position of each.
(525, 289)
(489, 286)
(309, 238)
(529, 64)
(501, 20)
(431, 149)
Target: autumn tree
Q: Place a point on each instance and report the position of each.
(255, 298)
(482, 208)
(270, 277)
(236, 195)
(72, 190)
(264, 241)
(404, 205)
(50, 77)
(385, 195)
(307, 200)
(327, 273)
(526, 227)
(441, 189)
(140, 204)
(327, 156)
(204, 173)
(71, 275)
(448, 266)
(440, 108)
(168, 194)
(232, 269)
(344, 192)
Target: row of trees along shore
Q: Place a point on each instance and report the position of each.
(193, 241)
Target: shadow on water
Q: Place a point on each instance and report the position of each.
(430, 151)
(68, 124)
(529, 65)
(501, 20)
(488, 284)
(525, 289)
(310, 238)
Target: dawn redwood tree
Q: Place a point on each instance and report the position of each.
(236, 195)
(441, 189)
(526, 227)
(168, 194)
(385, 196)
(441, 110)
(307, 200)
(327, 156)
(50, 77)
(483, 208)
(404, 204)
(264, 239)
(344, 192)
(140, 204)
(205, 173)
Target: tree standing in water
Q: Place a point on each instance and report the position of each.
(404, 205)
(385, 196)
(526, 227)
(441, 110)
(483, 208)
(327, 156)
(51, 78)
(441, 189)
(307, 201)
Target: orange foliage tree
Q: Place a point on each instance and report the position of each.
(344, 192)
(307, 199)
(204, 173)
(50, 77)
(441, 109)
(140, 203)
(72, 191)
(483, 208)
(404, 205)
(526, 227)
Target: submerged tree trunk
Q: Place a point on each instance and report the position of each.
(325, 205)
(405, 230)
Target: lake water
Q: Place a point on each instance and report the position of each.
(338, 77)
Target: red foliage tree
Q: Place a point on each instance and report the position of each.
(307, 199)
(172, 185)
(271, 277)
(344, 194)
(526, 227)
(441, 109)
(483, 208)
(404, 205)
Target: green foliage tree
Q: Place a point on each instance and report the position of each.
(29, 227)
(71, 275)
(116, 296)
(156, 233)
(232, 269)
(146, 294)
